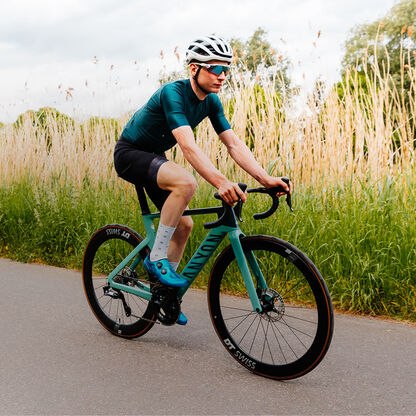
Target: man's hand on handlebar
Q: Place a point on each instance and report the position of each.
(229, 196)
(272, 182)
(230, 192)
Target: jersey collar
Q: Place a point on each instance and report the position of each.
(191, 94)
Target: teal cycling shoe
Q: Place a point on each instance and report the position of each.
(182, 320)
(164, 272)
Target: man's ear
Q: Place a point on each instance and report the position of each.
(193, 68)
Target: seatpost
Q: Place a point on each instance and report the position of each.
(142, 200)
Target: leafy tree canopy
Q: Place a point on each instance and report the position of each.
(384, 39)
(257, 55)
(41, 116)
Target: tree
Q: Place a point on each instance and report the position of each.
(110, 127)
(387, 42)
(256, 57)
(45, 122)
(382, 54)
(42, 117)
(259, 58)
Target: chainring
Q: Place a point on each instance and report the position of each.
(166, 304)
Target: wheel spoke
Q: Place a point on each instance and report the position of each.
(254, 337)
(300, 319)
(293, 329)
(286, 341)
(266, 341)
(278, 342)
(246, 316)
(103, 285)
(237, 309)
(239, 316)
(245, 333)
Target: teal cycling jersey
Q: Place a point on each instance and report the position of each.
(173, 105)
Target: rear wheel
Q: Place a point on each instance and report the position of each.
(293, 332)
(120, 312)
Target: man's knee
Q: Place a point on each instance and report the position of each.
(176, 179)
(185, 225)
(187, 185)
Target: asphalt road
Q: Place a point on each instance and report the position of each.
(55, 358)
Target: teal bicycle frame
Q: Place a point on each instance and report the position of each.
(204, 252)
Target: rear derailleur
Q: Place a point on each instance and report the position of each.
(117, 294)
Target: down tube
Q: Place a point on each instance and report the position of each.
(202, 255)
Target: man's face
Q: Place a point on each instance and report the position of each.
(208, 80)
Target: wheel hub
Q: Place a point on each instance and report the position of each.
(126, 276)
(273, 305)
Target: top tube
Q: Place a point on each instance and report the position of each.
(227, 214)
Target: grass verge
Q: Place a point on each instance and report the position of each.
(363, 242)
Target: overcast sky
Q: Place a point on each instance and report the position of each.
(102, 57)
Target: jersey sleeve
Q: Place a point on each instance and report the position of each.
(174, 107)
(217, 117)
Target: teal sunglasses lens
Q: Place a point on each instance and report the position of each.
(218, 69)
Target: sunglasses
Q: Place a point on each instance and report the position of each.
(216, 69)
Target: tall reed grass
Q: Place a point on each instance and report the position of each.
(350, 156)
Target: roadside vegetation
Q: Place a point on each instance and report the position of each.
(350, 154)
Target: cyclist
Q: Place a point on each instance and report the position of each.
(166, 120)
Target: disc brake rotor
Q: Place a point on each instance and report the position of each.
(272, 304)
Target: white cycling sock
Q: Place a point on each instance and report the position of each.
(174, 265)
(160, 247)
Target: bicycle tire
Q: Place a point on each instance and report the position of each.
(105, 250)
(291, 339)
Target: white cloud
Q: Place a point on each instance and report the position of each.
(47, 43)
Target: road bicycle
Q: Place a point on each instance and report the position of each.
(268, 303)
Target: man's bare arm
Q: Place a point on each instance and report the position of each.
(229, 191)
(242, 155)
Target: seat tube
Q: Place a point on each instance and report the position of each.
(245, 271)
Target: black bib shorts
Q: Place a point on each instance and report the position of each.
(140, 168)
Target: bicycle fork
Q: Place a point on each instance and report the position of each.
(243, 261)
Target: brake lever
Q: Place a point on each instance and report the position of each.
(288, 196)
(239, 206)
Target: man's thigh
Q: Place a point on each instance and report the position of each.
(171, 175)
(141, 169)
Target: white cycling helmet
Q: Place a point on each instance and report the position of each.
(209, 48)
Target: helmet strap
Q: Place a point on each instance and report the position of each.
(195, 77)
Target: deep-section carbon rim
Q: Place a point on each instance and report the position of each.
(120, 312)
(294, 331)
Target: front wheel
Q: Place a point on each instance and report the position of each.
(120, 312)
(293, 332)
